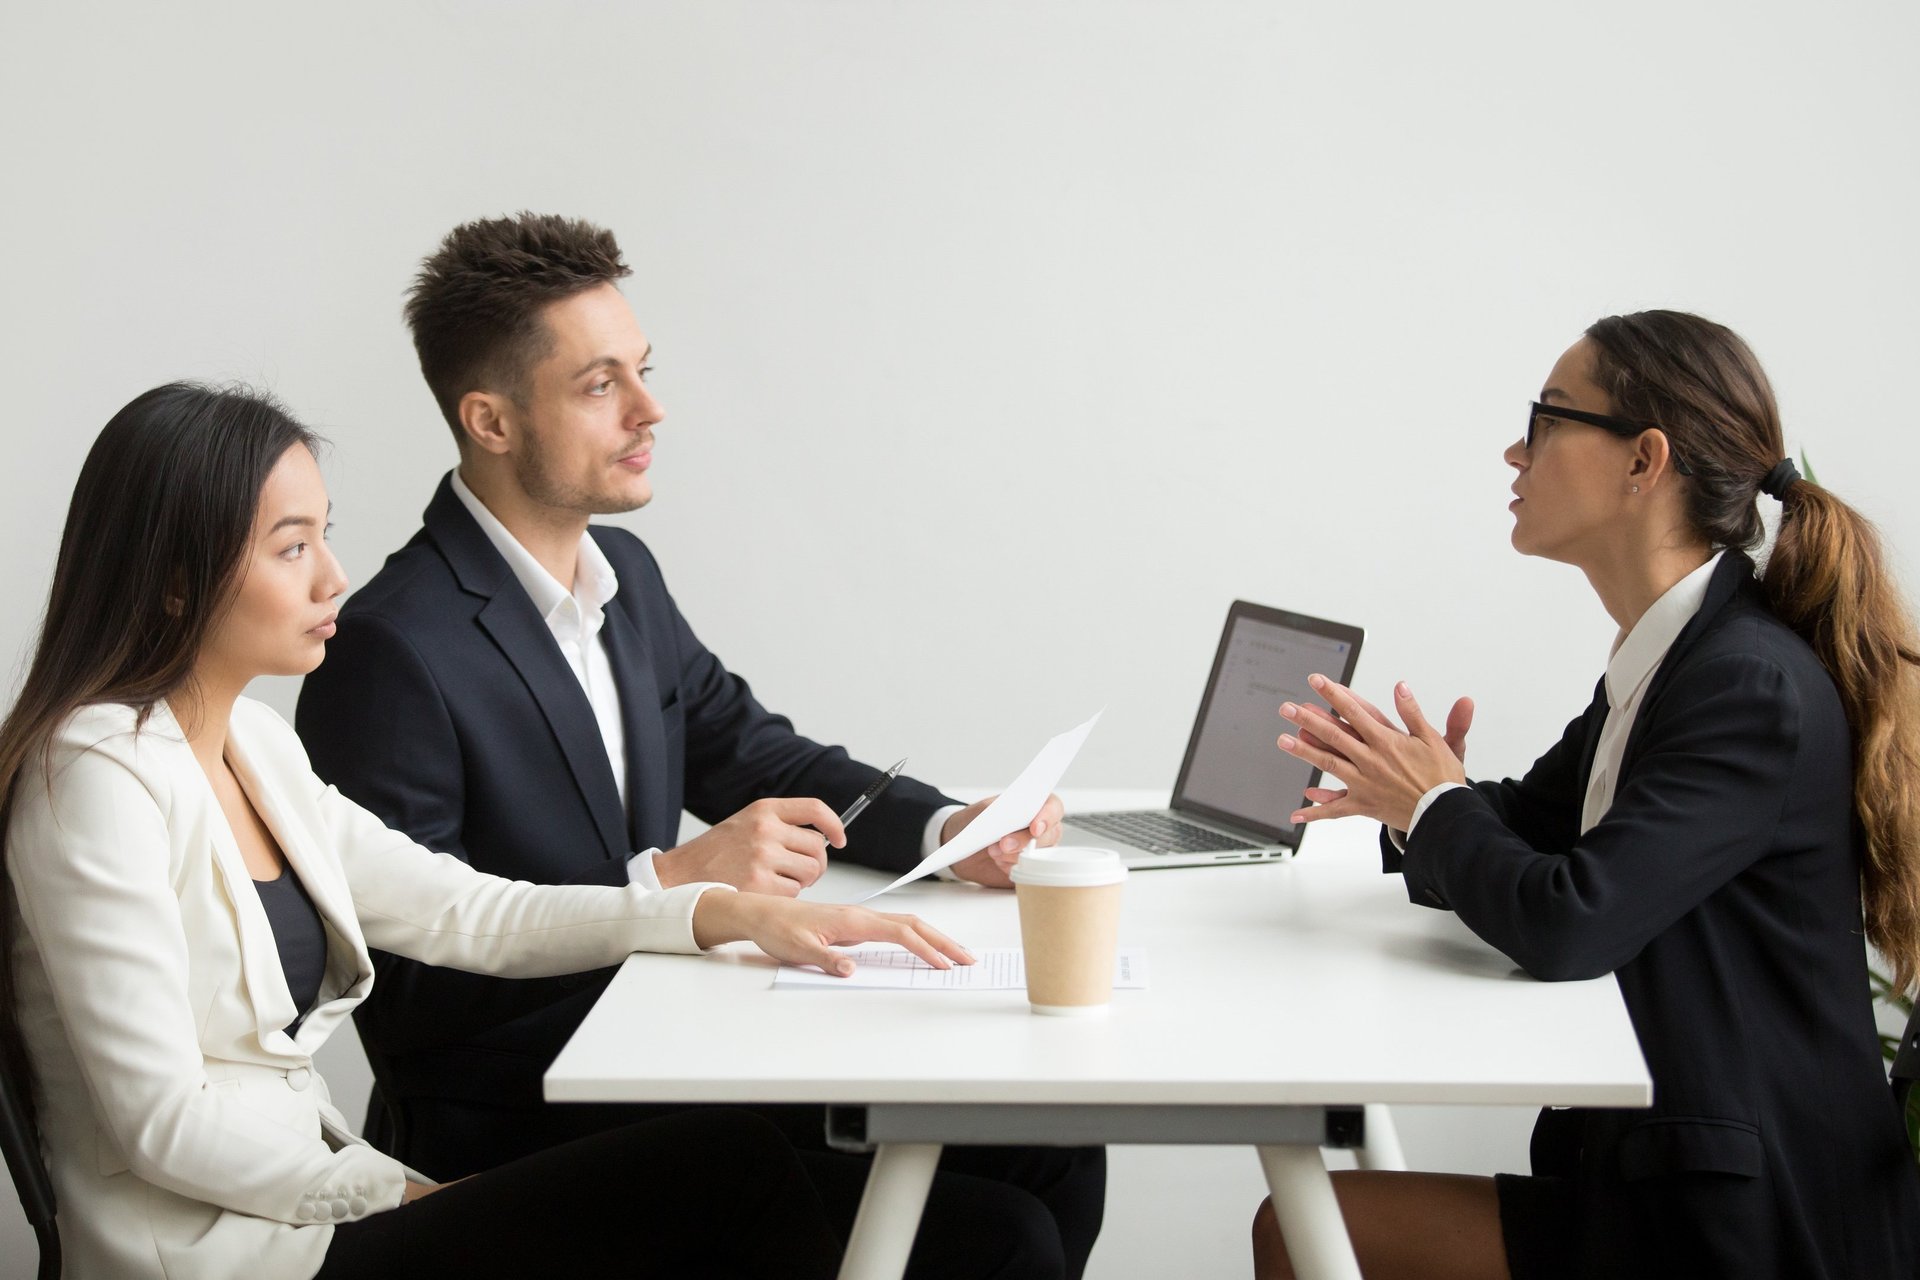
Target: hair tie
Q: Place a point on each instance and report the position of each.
(1782, 478)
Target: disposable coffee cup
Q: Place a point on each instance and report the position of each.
(1069, 927)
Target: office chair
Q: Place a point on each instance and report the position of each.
(30, 1181)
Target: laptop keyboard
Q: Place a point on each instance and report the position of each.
(1158, 832)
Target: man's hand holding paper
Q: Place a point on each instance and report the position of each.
(992, 832)
(993, 865)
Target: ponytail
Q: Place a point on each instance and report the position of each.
(1827, 579)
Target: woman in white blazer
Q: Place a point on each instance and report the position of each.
(167, 1016)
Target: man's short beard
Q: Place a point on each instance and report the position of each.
(530, 470)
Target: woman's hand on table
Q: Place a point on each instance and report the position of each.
(1386, 769)
(795, 932)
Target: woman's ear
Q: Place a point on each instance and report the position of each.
(1652, 458)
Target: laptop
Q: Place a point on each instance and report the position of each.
(1236, 789)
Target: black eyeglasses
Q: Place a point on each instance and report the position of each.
(1625, 428)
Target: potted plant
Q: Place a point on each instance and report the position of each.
(1902, 1053)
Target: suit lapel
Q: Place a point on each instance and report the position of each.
(511, 621)
(349, 969)
(1596, 721)
(265, 980)
(646, 736)
(1731, 577)
(524, 639)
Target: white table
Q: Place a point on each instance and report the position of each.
(1283, 1000)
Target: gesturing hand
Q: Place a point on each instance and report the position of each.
(1386, 770)
(771, 846)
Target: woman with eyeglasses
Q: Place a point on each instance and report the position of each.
(188, 910)
(1739, 803)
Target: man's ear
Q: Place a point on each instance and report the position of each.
(486, 420)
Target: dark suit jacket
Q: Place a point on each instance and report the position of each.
(445, 706)
(1722, 891)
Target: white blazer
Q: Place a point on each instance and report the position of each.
(188, 1136)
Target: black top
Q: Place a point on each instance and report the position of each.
(1722, 891)
(300, 938)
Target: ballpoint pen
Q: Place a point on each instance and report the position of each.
(866, 797)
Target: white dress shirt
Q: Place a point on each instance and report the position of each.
(1636, 655)
(576, 618)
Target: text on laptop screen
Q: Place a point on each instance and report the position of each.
(1237, 768)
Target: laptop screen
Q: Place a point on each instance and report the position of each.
(1233, 771)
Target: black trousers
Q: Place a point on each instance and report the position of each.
(1009, 1213)
(702, 1193)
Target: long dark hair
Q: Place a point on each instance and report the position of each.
(155, 538)
(1826, 577)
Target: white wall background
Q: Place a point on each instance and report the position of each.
(1002, 343)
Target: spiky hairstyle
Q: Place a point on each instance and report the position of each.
(475, 308)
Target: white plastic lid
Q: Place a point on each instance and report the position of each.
(1069, 866)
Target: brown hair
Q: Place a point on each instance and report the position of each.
(1826, 577)
(475, 307)
(150, 557)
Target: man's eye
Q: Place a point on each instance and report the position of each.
(600, 388)
(645, 369)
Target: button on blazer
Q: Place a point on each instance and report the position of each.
(187, 1134)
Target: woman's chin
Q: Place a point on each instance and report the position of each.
(302, 662)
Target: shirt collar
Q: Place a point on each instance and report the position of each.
(1638, 652)
(594, 581)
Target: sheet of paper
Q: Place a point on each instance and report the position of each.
(1015, 807)
(890, 968)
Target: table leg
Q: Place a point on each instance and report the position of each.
(889, 1216)
(1309, 1215)
(1381, 1150)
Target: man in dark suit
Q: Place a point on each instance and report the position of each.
(517, 688)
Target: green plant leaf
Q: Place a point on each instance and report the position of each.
(1884, 992)
(1806, 468)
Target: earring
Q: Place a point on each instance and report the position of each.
(1636, 488)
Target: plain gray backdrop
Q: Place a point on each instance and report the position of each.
(1002, 344)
